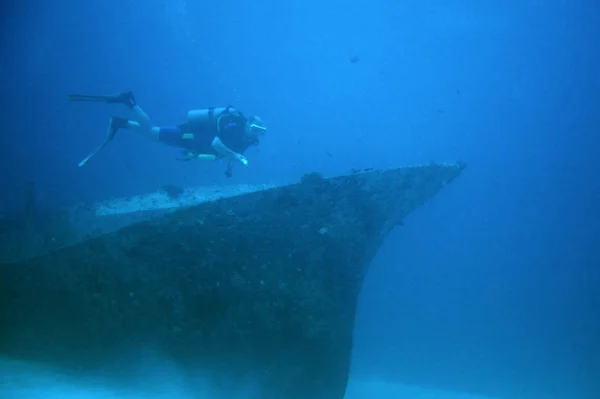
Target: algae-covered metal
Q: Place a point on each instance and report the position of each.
(260, 283)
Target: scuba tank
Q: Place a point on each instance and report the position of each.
(214, 119)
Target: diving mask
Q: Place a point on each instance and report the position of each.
(256, 127)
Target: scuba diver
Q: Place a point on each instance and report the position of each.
(208, 134)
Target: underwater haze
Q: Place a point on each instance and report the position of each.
(491, 290)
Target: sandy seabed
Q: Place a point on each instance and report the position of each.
(160, 381)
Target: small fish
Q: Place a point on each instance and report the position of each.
(354, 59)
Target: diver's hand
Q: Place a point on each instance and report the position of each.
(241, 159)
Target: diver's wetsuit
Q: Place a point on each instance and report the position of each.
(197, 138)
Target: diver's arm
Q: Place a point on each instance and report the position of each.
(224, 151)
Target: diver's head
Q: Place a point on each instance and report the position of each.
(255, 128)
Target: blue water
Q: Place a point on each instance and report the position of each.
(492, 288)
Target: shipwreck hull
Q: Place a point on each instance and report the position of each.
(259, 285)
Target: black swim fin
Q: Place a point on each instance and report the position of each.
(115, 124)
(83, 97)
(121, 98)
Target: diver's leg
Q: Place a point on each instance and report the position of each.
(142, 118)
(117, 123)
(141, 123)
(169, 135)
(144, 129)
